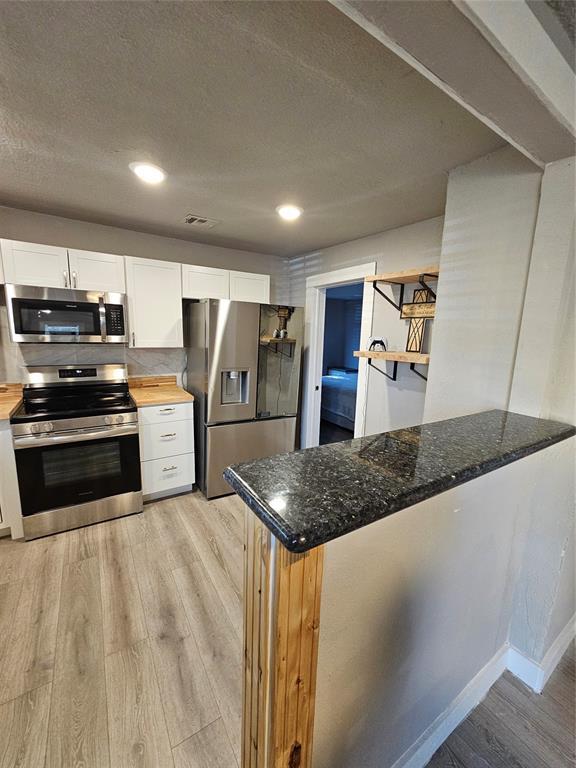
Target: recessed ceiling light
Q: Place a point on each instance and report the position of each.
(289, 212)
(147, 172)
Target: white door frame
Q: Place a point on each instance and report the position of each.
(314, 347)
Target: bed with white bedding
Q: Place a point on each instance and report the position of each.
(338, 403)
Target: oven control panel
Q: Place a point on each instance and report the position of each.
(41, 426)
(86, 423)
(120, 419)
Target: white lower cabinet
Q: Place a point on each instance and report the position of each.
(159, 414)
(166, 449)
(166, 439)
(173, 474)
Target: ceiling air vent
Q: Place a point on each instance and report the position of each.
(200, 222)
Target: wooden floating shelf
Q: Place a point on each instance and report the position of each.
(417, 358)
(273, 340)
(406, 277)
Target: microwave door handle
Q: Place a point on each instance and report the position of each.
(102, 313)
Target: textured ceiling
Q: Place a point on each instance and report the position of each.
(245, 104)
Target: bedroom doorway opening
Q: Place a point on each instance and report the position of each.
(342, 324)
(317, 289)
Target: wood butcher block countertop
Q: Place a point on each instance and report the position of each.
(157, 390)
(10, 399)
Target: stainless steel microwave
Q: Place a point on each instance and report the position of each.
(65, 316)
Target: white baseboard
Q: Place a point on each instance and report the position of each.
(419, 753)
(532, 674)
(535, 675)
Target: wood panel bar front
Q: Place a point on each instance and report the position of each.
(281, 629)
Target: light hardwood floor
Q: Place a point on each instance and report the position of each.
(120, 644)
(120, 647)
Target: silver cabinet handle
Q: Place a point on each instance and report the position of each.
(169, 469)
(74, 280)
(167, 410)
(170, 434)
(65, 273)
(133, 339)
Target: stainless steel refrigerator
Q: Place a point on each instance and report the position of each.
(246, 383)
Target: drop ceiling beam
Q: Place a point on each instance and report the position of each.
(506, 71)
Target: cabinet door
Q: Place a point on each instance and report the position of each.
(205, 282)
(154, 290)
(34, 264)
(92, 271)
(245, 286)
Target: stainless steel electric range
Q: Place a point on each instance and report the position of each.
(77, 451)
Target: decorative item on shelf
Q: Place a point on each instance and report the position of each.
(376, 345)
(417, 322)
(284, 314)
(280, 335)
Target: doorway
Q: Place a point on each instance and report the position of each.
(342, 321)
(335, 400)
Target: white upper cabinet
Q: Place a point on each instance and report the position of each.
(205, 282)
(33, 264)
(245, 286)
(50, 266)
(154, 291)
(92, 271)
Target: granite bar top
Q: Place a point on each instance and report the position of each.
(309, 497)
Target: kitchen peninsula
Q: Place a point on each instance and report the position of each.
(318, 533)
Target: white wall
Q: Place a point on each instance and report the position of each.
(491, 210)
(544, 370)
(390, 405)
(54, 230)
(543, 385)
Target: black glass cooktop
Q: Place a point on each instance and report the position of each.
(70, 401)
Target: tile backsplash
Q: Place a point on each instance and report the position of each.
(140, 362)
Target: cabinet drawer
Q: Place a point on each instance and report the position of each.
(158, 414)
(160, 440)
(162, 475)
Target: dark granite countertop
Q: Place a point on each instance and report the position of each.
(309, 497)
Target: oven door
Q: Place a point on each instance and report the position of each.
(57, 471)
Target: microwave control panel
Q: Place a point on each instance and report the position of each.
(114, 320)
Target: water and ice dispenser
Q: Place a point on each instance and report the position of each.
(234, 389)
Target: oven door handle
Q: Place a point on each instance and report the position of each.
(37, 441)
